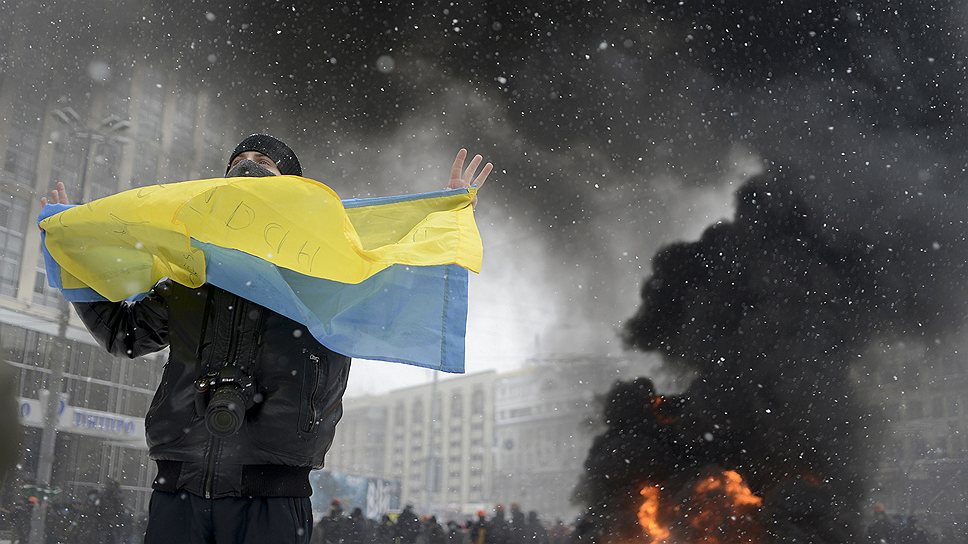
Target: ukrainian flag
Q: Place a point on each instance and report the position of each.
(376, 278)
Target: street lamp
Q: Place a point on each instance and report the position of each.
(108, 129)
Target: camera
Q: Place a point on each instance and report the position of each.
(229, 392)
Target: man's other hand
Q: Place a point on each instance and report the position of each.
(57, 196)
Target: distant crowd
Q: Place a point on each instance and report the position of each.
(407, 527)
(99, 518)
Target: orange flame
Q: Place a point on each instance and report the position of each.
(731, 483)
(812, 479)
(718, 511)
(660, 415)
(649, 515)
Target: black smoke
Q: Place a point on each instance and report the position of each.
(767, 311)
(854, 233)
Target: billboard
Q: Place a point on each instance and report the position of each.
(125, 430)
(375, 496)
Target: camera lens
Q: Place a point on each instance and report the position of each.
(226, 412)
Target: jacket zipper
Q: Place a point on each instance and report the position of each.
(206, 313)
(237, 317)
(210, 468)
(312, 397)
(237, 310)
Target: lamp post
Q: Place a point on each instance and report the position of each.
(108, 130)
(433, 472)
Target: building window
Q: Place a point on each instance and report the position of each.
(417, 412)
(477, 401)
(456, 406)
(520, 412)
(44, 294)
(13, 341)
(13, 223)
(22, 146)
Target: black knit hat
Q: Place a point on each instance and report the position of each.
(271, 147)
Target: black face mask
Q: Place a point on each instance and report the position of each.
(248, 169)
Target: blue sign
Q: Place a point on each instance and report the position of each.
(374, 496)
(105, 423)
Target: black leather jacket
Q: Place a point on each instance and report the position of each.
(300, 386)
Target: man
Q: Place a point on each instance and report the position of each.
(536, 533)
(219, 481)
(408, 526)
(519, 526)
(478, 530)
(331, 527)
(498, 531)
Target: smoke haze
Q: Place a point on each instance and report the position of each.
(616, 129)
(598, 158)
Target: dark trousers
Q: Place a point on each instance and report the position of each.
(184, 518)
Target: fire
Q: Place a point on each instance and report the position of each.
(649, 515)
(719, 510)
(732, 485)
(812, 479)
(660, 415)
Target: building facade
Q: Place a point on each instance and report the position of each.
(920, 394)
(546, 418)
(97, 137)
(435, 439)
(469, 443)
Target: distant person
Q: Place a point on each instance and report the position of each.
(356, 528)
(455, 534)
(559, 532)
(519, 525)
(329, 529)
(113, 513)
(408, 526)
(498, 531)
(433, 533)
(478, 528)
(20, 520)
(92, 523)
(386, 531)
(536, 533)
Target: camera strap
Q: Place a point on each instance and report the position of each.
(236, 331)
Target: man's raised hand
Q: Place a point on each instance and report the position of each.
(57, 196)
(461, 179)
